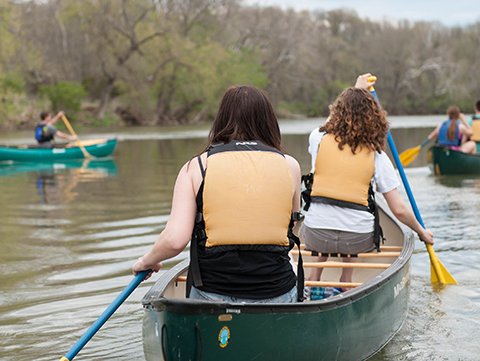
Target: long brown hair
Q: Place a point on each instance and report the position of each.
(356, 119)
(245, 113)
(453, 113)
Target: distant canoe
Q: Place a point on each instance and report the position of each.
(97, 148)
(445, 161)
(104, 167)
(351, 326)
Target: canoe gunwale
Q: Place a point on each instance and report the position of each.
(16, 154)
(155, 300)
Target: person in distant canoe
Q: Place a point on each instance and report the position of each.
(236, 202)
(476, 116)
(454, 134)
(474, 122)
(45, 131)
(348, 157)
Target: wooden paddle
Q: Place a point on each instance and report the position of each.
(72, 132)
(439, 273)
(105, 316)
(409, 155)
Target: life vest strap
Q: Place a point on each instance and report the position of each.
(339, 203)
(378, 236)
(194, 278)
(296, 216)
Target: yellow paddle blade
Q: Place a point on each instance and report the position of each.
(438, 272)
(449, 280)
(409, 155)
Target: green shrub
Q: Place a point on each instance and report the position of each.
(65, 95)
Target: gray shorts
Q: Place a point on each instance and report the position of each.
(332, 241)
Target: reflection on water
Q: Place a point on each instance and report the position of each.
(69, 235)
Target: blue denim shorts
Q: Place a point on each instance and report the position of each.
(289, 297)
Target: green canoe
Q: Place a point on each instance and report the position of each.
(96, 148)
(351, 326)
(104, 166)
(445, 161)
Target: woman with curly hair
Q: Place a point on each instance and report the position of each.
(348, 157)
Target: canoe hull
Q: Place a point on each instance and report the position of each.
(306, 332)
(351, 326)
(99, 150)
(444, 161)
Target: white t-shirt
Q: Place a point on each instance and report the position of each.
(325, 216)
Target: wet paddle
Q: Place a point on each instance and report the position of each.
(105, 316)
(438, 272)
(72, 132)
(409, 155)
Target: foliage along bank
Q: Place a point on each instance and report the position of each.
(140, 62)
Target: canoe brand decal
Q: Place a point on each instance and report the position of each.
(57, 151)
(223, 337)
(400, 286)
(233, 310)
(245, 143)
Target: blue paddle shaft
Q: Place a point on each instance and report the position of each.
(106, 315)
(396, 158)
(424, 143)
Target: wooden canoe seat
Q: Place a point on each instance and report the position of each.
(332, 284)
(308, 283)
(360, 255)
(382, 248)
(346, 265)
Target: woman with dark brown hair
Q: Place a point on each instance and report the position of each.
(235, 203)
(453, 134)
(348, 157)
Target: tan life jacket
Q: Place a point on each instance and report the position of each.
(247, 196)
(244, 203)
(476, 129)
(341, 174)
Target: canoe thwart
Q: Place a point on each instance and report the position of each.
(359, 255)
(332, 264)
(307, 283)
(332, 284)
(382, 248)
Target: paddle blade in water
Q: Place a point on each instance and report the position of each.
(438, 272)
(409, 155)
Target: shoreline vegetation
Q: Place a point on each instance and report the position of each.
(144, 63)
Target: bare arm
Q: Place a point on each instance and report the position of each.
(405, 215)
(465, 129)
(56, 118)
(178, 230)
(434, 135)
(65, 136)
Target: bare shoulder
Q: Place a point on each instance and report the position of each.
(191, 170)
(292, 164)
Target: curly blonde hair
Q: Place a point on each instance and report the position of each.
(357, 120)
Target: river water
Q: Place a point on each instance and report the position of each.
(70, 233)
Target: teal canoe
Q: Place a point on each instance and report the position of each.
(97, 148)
(103, 167)
(353, 325)
(445, 161)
